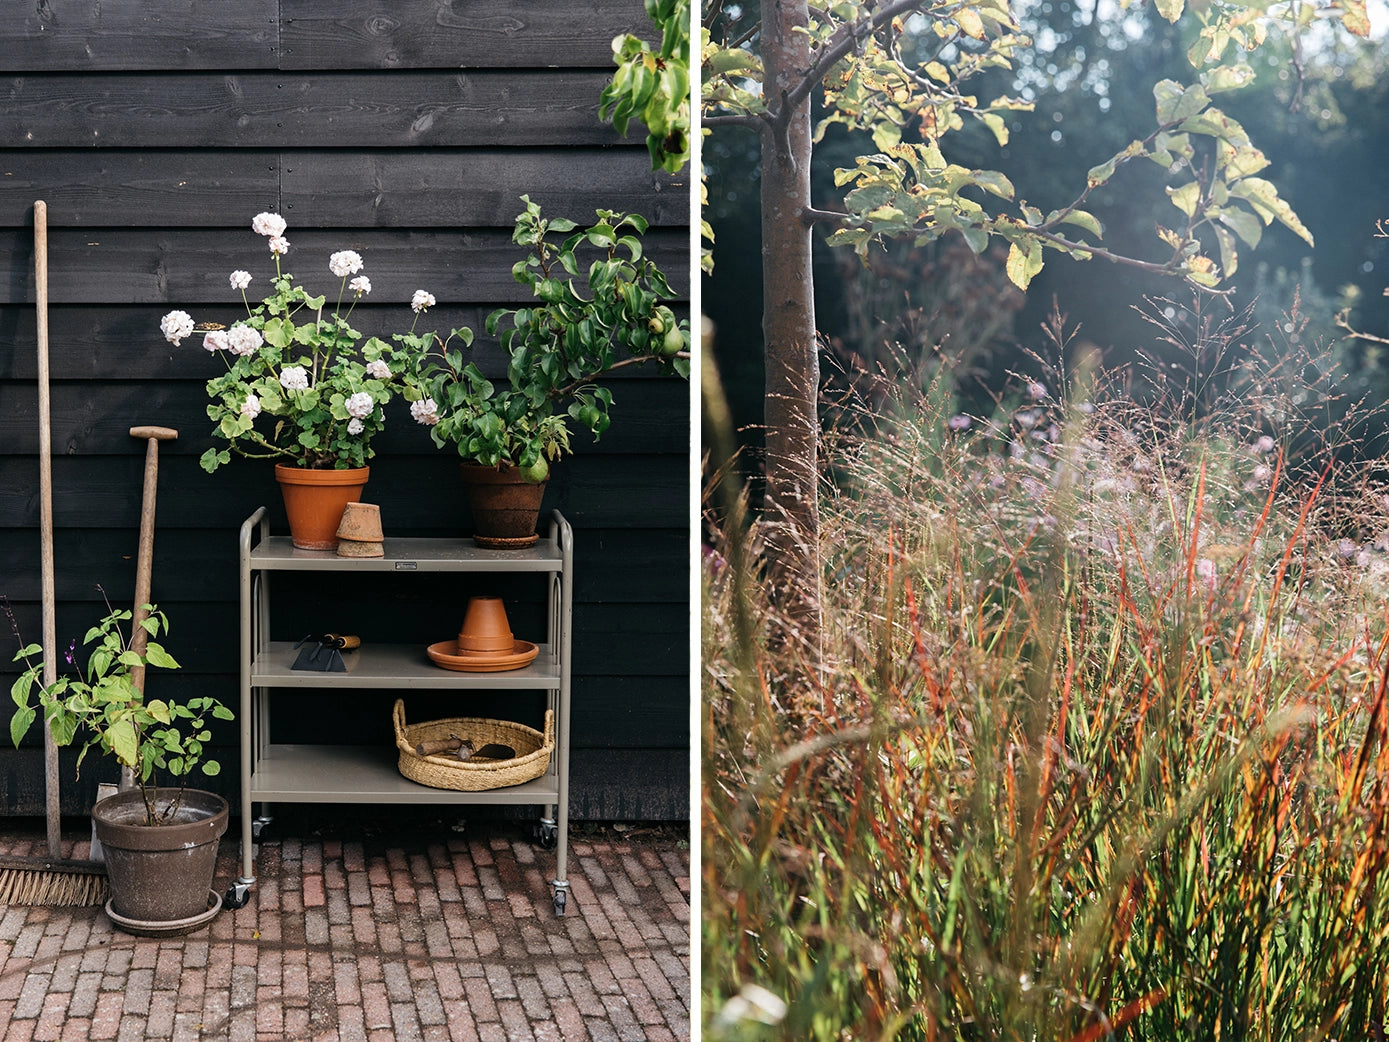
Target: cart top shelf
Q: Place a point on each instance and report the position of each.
(271, 553)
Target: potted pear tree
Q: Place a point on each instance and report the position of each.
(160, 840)
(600, 305)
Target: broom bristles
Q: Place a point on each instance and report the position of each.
(54, 885)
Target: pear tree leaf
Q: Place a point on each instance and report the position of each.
(967, 18)
(1098, 175)
(1085, 220)
(1242, 223)
(1201, 270)
(1229, 255)
(1170, 9)
(994, 182)
(1355, 18)
(976, 238)
(1186, 198)
(1263, 197)
(886, 134)
(1227, 77)
(1023, 264)
(997, 125)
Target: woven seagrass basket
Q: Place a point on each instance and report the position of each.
(448, 772)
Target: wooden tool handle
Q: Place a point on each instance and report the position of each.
(46, 558)
(443, 745)
(157, 433)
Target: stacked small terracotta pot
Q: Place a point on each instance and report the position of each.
(359, 533)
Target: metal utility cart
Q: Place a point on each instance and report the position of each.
(278, 772)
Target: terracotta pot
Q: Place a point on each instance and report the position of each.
(361, 523)
(160, 873)
(359, 534)
(315, 500)
(505, 506)
(485, 629)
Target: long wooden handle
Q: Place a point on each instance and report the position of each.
(144, 561)
(46, 558)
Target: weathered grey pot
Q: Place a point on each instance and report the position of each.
(160, 873)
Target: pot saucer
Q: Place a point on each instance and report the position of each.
(172, 928)
(445, 654)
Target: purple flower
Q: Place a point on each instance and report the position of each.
(958, 423)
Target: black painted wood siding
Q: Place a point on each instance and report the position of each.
(406, 130)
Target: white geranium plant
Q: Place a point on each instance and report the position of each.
(301, 386)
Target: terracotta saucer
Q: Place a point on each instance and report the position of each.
(445, 654)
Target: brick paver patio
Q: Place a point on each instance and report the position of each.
(371, 933)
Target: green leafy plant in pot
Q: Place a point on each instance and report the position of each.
(585, 323)
(160, 841)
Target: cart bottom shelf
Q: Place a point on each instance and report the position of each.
(367, 774)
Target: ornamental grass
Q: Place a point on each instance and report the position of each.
(1095, 743)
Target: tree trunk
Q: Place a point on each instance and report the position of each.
(788, 325)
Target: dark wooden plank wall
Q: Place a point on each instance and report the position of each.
(154, 130)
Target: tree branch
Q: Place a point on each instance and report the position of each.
(843, 41)
(811, 216)
(749, 120)
(1167, 268)
(564, 392)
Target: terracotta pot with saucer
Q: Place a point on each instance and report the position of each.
(485, 644)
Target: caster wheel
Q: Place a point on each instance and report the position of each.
(237, 896)
(560, 897)
(547, 836)
(258, 827)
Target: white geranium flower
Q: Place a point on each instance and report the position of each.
(346, 263)
(271, 224)
(361, 285)
(279, 244)
(294, 378)
(250, 408)
(240, 279)
(425, 411)
(360, 405)
(422, 300)
(243, 340)
(176, 325)
(354, 426)
(216, 340)
(377, 369)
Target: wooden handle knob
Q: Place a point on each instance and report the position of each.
(157, 433)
